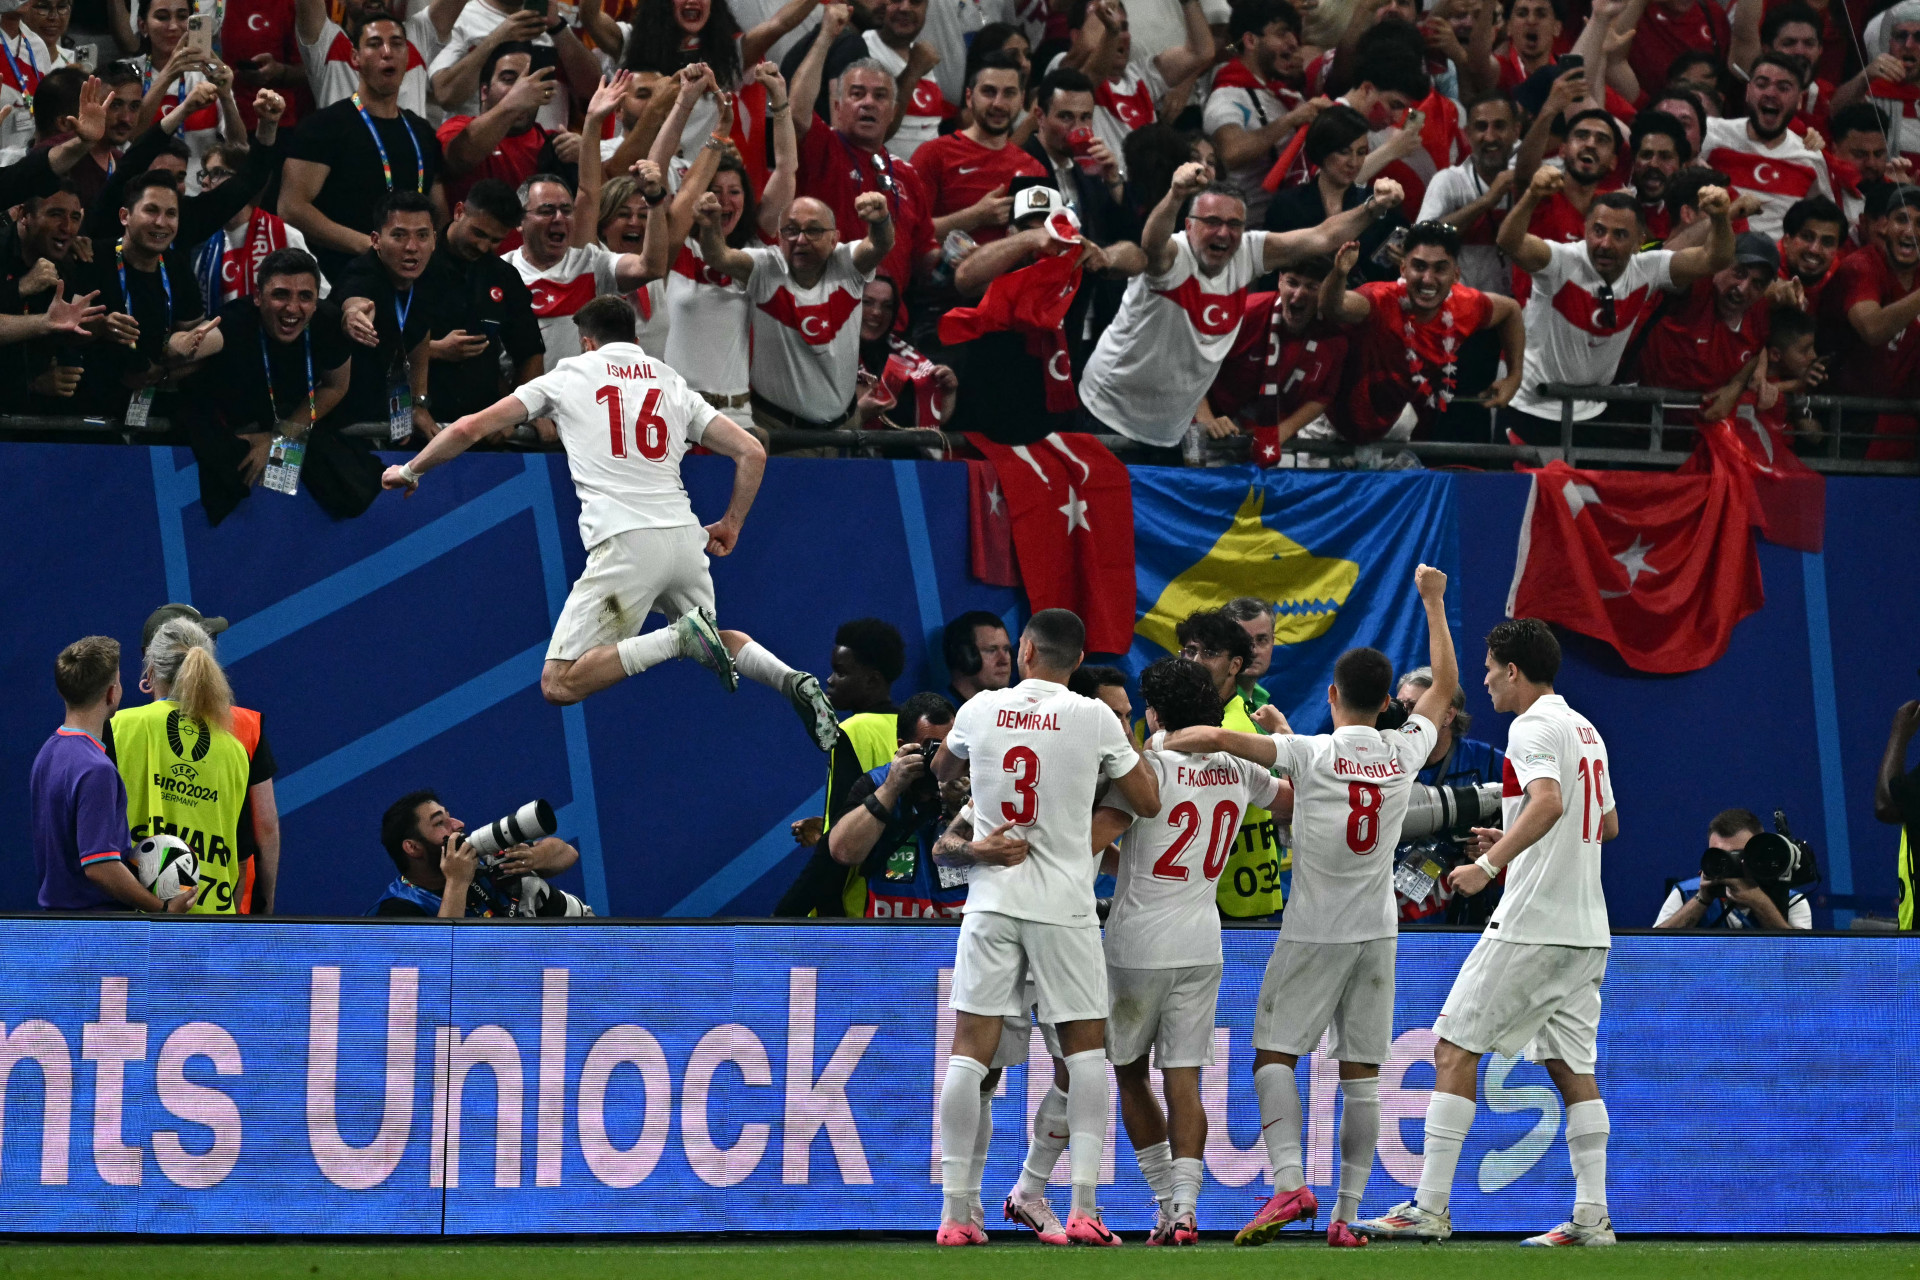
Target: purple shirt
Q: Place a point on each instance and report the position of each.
(79, 819)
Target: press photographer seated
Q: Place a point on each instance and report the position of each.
(896, 813)
(442, 874)
(1744, 882)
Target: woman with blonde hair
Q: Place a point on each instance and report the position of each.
(185, 771)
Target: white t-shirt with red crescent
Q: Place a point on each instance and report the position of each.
(1158, 357)
(329, 63)
(806, 342)
(925, 110)
(1779, 173)
(1164, 916)
(1129, 103)
(708, 317)
(20, 74)
(625, 420)
(1553, 894)
(582, 274)
(1567, 339)
(1350, 791)
(1038, 752)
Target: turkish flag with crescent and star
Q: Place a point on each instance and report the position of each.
(1033, 301)
(1070, 504)
(1661, 567)
(989, 528)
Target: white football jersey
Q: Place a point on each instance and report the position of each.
(1350, 790)
(1163, 914)
(625, 421)
(1553, 893)
(1779, 173)
(1568, 336)
(806, 342)
(1038, 752)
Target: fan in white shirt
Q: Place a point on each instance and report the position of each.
(626, 421)
(1163, 935)
(482, 25)
(806, 305)
(1532, 982)
(1038, 754)
(1760, 153)
(561, 264)
(1333, 965)
(327, 52)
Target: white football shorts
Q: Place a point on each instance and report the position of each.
(1512, 996)
(628, 575)
(1311, 986)
(1170, 1011)
(997, 955)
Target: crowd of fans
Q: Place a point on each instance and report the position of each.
(1342, 219)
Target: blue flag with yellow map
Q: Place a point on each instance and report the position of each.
(1333, 551)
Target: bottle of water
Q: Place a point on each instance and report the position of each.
(285, 456)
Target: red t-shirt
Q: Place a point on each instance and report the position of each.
(254, 27)
(1404, 360)
(1690, 349)
(957, 172)
(1270, 371)
(1664, 35)
(1883, 369)
(515, 159)
(834, 172)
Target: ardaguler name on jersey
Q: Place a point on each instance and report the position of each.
(1027, 720)
(1343, 767)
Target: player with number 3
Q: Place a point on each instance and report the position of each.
(1332, 966)
(626, 420)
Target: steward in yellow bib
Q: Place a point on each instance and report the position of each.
(185, 771)
(1896, 800)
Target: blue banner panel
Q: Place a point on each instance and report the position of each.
(200, 1076)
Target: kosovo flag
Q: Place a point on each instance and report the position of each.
(1334, 552)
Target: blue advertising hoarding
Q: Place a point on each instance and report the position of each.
(200, 1076)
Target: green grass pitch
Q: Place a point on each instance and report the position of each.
(1291, 1260)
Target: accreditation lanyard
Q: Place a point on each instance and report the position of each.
(386, 167)
(266, 367)
(166, 285)
(401, 313)
(26, 47)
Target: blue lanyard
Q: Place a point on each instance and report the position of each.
(120, 261)
(213, 260)
(386, 167)
(401, 313)
(26, 46)
(266, 367)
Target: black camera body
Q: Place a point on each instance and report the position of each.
(1773, 860)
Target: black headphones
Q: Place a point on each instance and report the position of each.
(957, 642)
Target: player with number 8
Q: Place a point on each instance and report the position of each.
(1332, 966)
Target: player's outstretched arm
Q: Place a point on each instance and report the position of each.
(996, 849)
(728, 438)
(504, 414)
(1541, 809)
(1433, 704)
(1202, 739)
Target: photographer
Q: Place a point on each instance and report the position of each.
(1456, 761)
(1724, 895)
(1896, 800)
(440, 873)
(895, 815)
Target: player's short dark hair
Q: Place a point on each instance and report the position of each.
(357, 24)
(1364, 678)
(998, 60)
(959, 646)
(1791, 63)
(401, 822)
(1786, 324)
(1213, 629)
(1729, 823)
(1787, 15)
(876, 644)
(1813, 209)
(400, 201)
(930, 707)
(608, 318)
(286, 262)
(1860, 117)
(1664, 123)
(505, 49)
(141, 183)
(1181, 694)
(86, 669)
(495, 199)
(1253, 17)
(57, 96)
(1439, 235)
(1059, 638)
(1616, 200)
(1528, 644)
(1683, 192)
(1062, 80)
(1315, 266)
(1334, 129)
(1087, 681)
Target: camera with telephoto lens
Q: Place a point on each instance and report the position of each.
(1773, 860)
(1437, 819)
(525, 895)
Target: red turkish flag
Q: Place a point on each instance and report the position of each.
(1788, 499)
(1661, 567)
(1071, 506)
(989, 528)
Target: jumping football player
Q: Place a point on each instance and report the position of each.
(626, 420)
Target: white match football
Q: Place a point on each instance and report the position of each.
(165, 866)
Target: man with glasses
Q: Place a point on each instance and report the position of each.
(1178, 321)
(1588, 297)
(561, 264)
(229, 262)
(806, 296)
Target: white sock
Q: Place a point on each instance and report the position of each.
(1280, 1124)
(959, 1126)
(1089, 1104)
(756, 662)
(982, 1140)
(1043, 1153)
(1187, 1177)
(637, 653)
(1359, 1136)
(1587, 1129)
(1449, 1116)
(1156, 1166)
